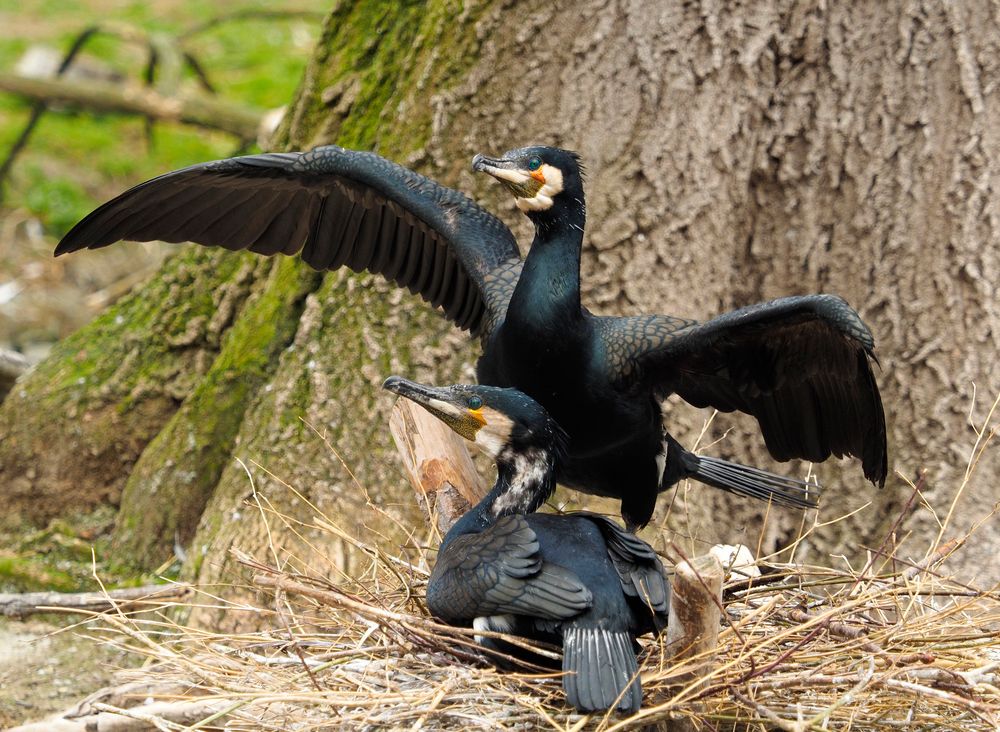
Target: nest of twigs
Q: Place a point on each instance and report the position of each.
(893, 645)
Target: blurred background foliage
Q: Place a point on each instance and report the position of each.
(77, 159)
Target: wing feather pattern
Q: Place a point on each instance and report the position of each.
(499, 571)
(801, 365)
(334, 207)
(639, 568)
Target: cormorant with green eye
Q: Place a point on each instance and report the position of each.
(800, 365)
(577, 579)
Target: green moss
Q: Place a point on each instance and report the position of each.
(27, 574)
(116, 350)
(64, 556)
(393, 51)
(188, 455)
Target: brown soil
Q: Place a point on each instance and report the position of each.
(41, 673)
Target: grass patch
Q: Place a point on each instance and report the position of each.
(76, 160)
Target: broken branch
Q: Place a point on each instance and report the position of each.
(21, 605)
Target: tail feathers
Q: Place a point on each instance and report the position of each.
(756, 483)
(600, 670)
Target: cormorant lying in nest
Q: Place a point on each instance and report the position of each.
(575, 579)
(800, 365)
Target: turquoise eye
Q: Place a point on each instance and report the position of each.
(475, 402)
(534, 164)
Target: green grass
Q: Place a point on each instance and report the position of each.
(74, 161)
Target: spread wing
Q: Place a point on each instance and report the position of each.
(335, 208)
(499, 571)
(801, 365)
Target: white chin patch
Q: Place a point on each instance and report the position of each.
(489, 442)
(542, 200)
(492, 436)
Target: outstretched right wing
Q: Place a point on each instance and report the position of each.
(337, 208)
(801, 365)
(499, 571)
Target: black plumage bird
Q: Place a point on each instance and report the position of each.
(800, 365)
(575, 579)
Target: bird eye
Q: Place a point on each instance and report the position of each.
(475, 402)
(535, 163)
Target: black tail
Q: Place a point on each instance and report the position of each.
(600, 670)
(746, 481)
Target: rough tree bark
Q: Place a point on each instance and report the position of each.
(734, 154)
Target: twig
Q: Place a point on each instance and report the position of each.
(337, 599)
(39, 107)
(159, 46)
(768, 714)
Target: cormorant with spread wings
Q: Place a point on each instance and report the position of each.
(800, 365)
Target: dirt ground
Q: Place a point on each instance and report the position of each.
(42, 671)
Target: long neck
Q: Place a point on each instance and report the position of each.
(548, 289)
(524, 481)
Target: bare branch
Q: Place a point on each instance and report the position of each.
(20, 605)
(197, 109)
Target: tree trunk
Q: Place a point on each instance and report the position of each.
(734, 154)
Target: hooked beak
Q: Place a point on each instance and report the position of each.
(411, 389)
(520, 182)
(442, 402)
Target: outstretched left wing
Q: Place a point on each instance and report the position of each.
(333, 207)
(801, 365)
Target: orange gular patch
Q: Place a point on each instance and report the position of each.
(538, 175)
(477, 414)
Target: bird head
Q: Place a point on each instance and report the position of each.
(539, 177)
(499, 421)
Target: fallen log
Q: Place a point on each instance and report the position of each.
(193, 108)
(151, 716)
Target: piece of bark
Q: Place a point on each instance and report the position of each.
(694, 622)
(437, 463)
(21, 605)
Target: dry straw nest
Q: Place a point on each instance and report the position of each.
(895, 644)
